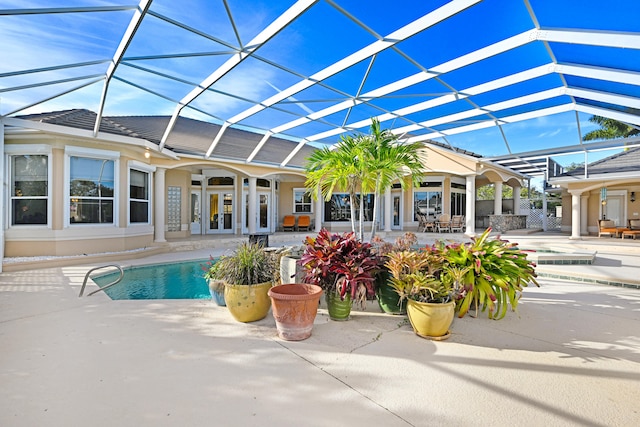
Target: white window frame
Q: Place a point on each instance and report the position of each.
(148, 169)
(294, 201)
(22, 150)
(92, 153)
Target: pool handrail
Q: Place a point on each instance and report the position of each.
(86, 277)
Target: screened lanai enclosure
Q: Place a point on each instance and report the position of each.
(468, 74)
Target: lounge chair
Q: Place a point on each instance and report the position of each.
(443, 223)
(608, 227)
(304, 223)
(288, 223)
(424, 223)
(457, 223)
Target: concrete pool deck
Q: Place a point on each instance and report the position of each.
(570, 356)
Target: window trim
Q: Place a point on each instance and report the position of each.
(293, 191)
(91, 153)
(140, 167)
(22, 150)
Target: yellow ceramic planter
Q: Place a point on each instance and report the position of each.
(431, 320)
(248, 303)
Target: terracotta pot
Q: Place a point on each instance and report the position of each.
(295, 307)
(338, 309)
(247, 303)
(431, 320)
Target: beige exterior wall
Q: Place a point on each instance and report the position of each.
(630, 210)
(60, 238)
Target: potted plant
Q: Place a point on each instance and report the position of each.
(295, 306)
(248, 275)
(388, 299)
(214, 281)
(417, 277)
(344, 267)
(495, 273)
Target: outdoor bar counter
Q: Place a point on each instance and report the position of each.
(506, 222)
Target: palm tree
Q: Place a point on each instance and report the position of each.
(364, 164)
(389, 161)
(609, 129)
(328, 169)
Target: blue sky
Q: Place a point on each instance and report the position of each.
(324, 34)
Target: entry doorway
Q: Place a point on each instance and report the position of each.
(220, 212)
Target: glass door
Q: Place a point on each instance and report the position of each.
(196, 227)
(220, 212)
(396, 210)
(264, 214)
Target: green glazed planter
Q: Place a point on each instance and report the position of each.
(388, 299)
(338, 309)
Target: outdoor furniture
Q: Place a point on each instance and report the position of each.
(288, 223)
(634, 224)
(443, 223)
(607, 226)
(304, 223)
(424, 223)
(631, 233)
(457, 223)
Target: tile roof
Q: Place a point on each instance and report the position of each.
(188, 136)
(625, 161)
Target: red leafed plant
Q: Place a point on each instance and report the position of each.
(341, 263)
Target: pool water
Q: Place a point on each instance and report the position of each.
(181, 280)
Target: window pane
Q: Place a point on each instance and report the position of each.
(139, 211)
(91, 211)
(29, 175)
(92, 177)
(338, 208)
(138, 188)
(29, 211)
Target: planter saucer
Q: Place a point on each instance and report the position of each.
(441, 338)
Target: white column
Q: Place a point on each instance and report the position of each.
(253, 200)
(318, 209)
(545, 214)
(470, 226)
(388, 209)
(159, 205)
(575, 215)
(584, 224)
(516, 199)
(497, 199)
(2, 185)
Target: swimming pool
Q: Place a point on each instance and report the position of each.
(181, 280)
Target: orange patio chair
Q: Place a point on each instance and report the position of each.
(288, 223)
(304, 223)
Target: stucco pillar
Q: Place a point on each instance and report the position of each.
(470, 218)
(2, 185)
(253, 211)
(388, 209)
(575, 215)
(318, 209)
(584, 224)
(159, 204)
(497, 198)
(516, 199)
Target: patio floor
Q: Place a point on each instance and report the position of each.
(570, 356)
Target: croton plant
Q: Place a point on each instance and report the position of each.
(341, 263)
